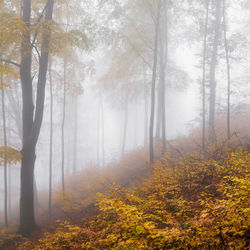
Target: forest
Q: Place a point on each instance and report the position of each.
(124, 124)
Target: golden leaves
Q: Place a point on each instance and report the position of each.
(11, 155)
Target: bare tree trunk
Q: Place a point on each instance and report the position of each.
(228, 73)
(98, 135)
(50, 141)
(163, 65)
(213, 65)
(125, 127)
(204, 80)
(31, 121)
(152, 114)
(9, 192)
(5, 160)
(159, 113)
(75, 135)
(103, 134)
(145, 117)
(63, 122)
(135, 125)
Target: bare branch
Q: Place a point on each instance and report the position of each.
(10, 62)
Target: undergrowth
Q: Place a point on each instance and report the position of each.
(187, 202)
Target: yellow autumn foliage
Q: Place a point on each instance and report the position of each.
(187, 203)
(11, 155)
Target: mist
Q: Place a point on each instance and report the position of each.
(104, 91)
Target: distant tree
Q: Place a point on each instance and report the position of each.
(5, 160)
(152, 113)
(228, 71)
(213, 66)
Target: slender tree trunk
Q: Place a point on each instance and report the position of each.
(135, 125)
(103, 134)
(5, 160)
(228, 73)
(9, 174)
(204, 80)
(145, 117)
(9, 192)
(213, 65)
(125, 127)
(152, 114)
(159, 113)
(63, 122)
(31, 121)
(75, 136)
(50, 142)
(163, 65)
(98, 134)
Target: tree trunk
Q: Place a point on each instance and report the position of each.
(135, 125)
(9, 192)
(163, 65)
(159, 113)
(152, 114)
(31, 128)
(50, 142)
(103, 134)
(204, 80)
(228, 73)
(125, 127)
(5, 160)
(75, 135)
(214, 61)
(63, 123)
(145, 117)
(98, 135)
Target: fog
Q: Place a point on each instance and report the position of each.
(106, 65)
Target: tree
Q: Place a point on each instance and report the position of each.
(212, 73)
(32, 120)
(204, 78)
(228, 71)
(51, 140)
(152, 113)
(5, 160)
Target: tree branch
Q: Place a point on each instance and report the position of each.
(10, 62)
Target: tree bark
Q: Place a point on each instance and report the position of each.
(152, 114)
(213, 65)
(31, 122)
